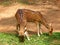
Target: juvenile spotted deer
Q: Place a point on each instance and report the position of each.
(25, 15)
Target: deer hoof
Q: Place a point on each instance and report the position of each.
(39, 35)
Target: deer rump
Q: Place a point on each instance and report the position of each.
(25, 15)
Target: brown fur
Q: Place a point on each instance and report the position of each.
(25, 15)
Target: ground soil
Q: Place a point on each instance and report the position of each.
(8, 21)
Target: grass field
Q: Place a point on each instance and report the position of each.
(9, 2)
(12, 39)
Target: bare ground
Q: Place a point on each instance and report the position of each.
(8, 21)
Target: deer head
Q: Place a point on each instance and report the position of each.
(51, 29)
(21, 34)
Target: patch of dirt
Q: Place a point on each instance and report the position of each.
(54, 42)
(8, 21)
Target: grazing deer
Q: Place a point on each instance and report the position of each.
(25, 15)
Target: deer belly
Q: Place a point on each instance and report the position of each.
(33, 19)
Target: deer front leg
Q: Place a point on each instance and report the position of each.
(18, 27)
(25, 30)
(26, 34)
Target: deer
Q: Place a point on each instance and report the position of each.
(26, 15)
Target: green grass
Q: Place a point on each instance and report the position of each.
(9, 2)
(45, 39)
(6, 2)
(33, 2)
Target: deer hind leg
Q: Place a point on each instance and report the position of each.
(38, 30)
(38, 27)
